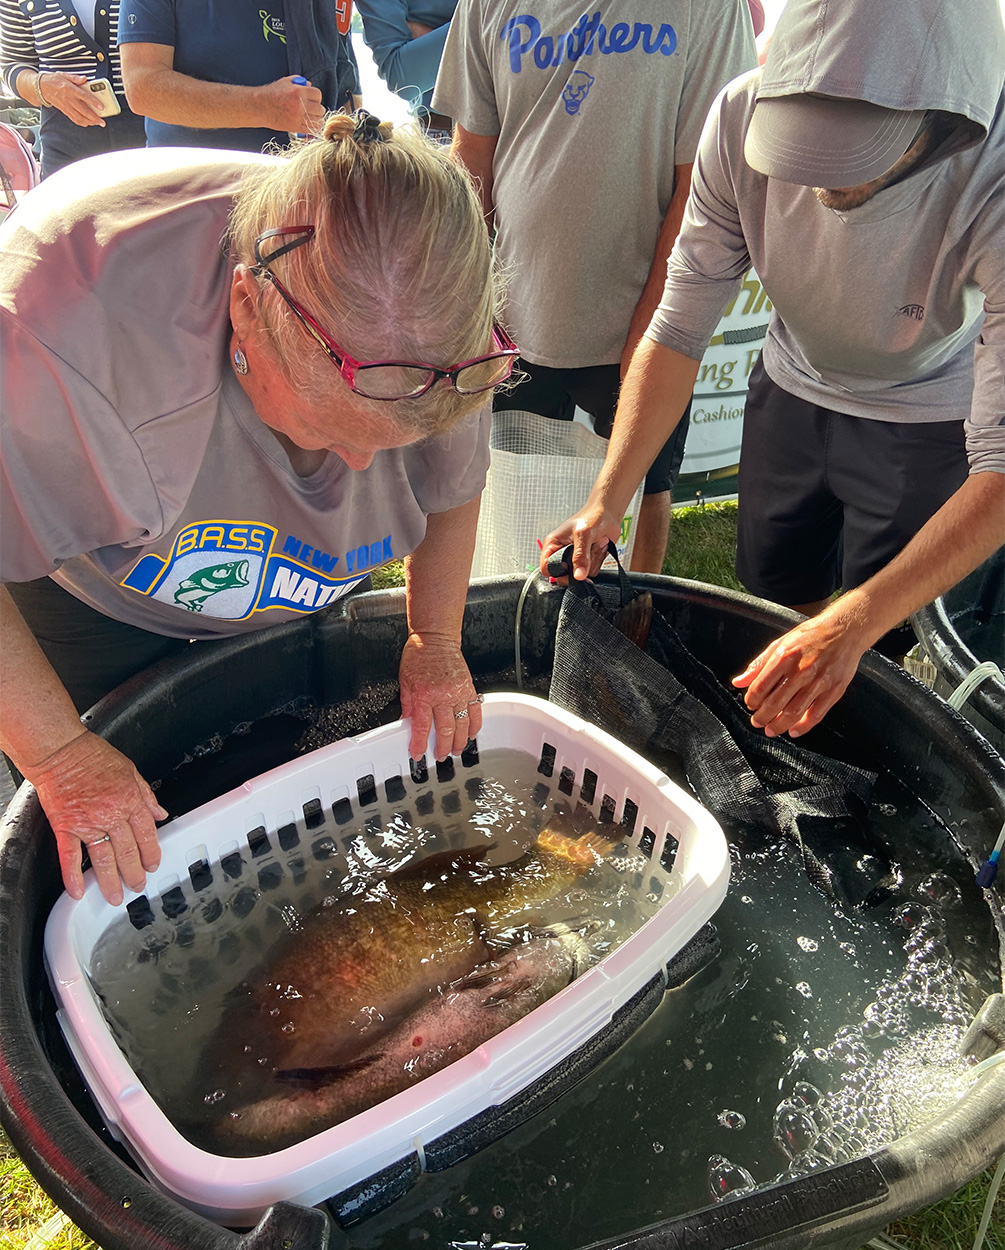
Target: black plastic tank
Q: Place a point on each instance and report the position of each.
(963, 629)
(240, 694)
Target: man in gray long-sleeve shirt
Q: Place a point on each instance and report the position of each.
(860, 172)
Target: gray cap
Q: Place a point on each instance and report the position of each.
(822, 141)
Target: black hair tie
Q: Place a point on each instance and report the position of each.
(367, 128)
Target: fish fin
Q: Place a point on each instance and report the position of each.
(635, 619)
(476, 979)
(442, 861)
(586, 850)
(579, 925)
(315, 1078)
(509, 989)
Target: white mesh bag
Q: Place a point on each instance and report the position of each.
(541, 473)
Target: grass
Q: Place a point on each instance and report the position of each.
(702, 549)
(703, 545)
(952, 1224)
(26, 1212)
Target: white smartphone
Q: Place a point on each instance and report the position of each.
(104, 97)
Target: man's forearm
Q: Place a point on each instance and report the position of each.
(477, 154)
(180, 100)
(968, 528)
(655, 393)
(652, 292)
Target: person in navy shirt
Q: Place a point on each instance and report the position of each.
(222, 74)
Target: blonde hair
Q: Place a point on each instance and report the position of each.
(399, 268)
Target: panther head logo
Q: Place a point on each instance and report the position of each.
(576, 90)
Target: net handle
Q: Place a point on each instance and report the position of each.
(560, 565)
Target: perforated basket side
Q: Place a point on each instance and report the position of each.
(262, 834)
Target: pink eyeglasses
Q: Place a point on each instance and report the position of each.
(388, 379)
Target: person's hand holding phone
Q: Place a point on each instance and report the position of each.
(103, 96)
(71, 94)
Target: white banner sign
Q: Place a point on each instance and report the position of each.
(713, 441)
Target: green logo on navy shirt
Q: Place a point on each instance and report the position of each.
(272, 26)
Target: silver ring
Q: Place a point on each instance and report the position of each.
(461, 715)
(106, 837)
(479, 698)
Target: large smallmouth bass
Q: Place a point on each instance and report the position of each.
(450, 1024)
(328, 992)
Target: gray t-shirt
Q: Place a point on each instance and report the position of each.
(876, 311)
(134, 468)
(593, 109)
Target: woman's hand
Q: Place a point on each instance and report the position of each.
(437, 690)
(588, 532)
(795, 681)
(69, 94)
(94, 797)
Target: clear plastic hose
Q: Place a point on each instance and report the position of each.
(972, 680)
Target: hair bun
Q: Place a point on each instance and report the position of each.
(361, 125)
(338, 126)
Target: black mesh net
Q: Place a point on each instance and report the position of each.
(664, 703)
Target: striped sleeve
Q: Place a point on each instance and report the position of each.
(17, 43)
(47, 41)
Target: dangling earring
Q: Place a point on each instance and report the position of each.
(240, 361)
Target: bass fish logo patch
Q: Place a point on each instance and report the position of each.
(193, 592)
(229, 570)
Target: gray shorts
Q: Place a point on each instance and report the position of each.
(827, 499)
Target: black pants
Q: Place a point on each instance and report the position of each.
(828, 499)
(91, 653)
(556, 393)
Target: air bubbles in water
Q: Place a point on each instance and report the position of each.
(726, 1179)
(732, 1119)
(940, 890)
(795, 1129)
(806, 1095)
(216, 1096)
(808, 944)
(291, 917)
(911, 915)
